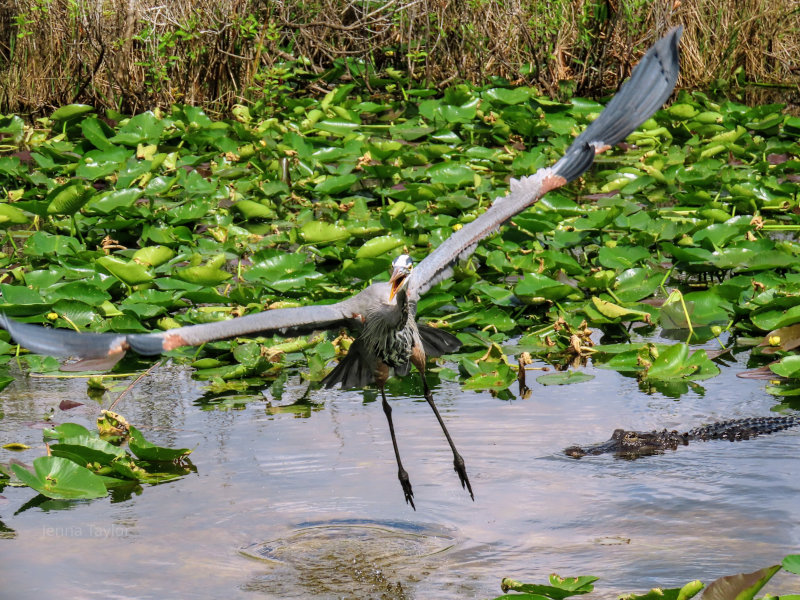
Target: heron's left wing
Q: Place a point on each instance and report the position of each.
(649, 86)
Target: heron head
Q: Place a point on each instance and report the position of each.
(401, 269)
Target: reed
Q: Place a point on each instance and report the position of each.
(133, 55)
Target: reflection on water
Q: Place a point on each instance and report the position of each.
(316, 492)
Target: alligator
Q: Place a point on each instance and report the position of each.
(633, 444)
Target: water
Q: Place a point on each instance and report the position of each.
(284, 506)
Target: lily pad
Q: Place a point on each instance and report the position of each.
(564, 378)
(131, 273)
(57, 477)
(148, 451)
(315, 232)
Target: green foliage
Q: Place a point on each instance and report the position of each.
(82, 464)
(743, 586)
(173, 218)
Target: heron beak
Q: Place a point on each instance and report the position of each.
(398, 279)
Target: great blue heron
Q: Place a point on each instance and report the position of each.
(385, 313)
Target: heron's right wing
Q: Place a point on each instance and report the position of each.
(102, 350)
(649, 86)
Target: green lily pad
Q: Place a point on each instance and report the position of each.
(792, 563)
(789, 366)
(509, 95)
(675, 364)
(70, 111)
(114, 200)
(206, 275)
(564, 378)
(66, 430)
(148, 451)
(283, 272)
(153, 256)
(315, 232)
(336, 184)
(491, 376)
(451, 174)
(131, 273)
(11, 214)
(253, 210)
(57, 477)
(379, 246)
(88, 448)
(534, 288)
(68, 199)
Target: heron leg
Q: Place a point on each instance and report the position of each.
(402, 474)
(458, 462)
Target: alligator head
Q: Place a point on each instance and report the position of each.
(632, 444)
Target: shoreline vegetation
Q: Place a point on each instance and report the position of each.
(132, 56)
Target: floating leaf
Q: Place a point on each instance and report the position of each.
(315, 232)
(57, 477)
(792, 563)
(16, 446)
(67, 199)
(379, 246)
(283, 272)
(509, 95)
(144, 128)
(675, 364)
(206, 275)
(70, 111)
(564, 378)
(559, 588)
(153, 256)
(87, 449)
(114, 200)
(253, 210)
(615, 311)
(789, 366)
(147, 451)
(534, 288)
(66, 430)
(491, 376)
(11, 214)
(451, 174)
(129, 272)
(336, 184)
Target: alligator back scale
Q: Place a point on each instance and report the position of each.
(633, 444)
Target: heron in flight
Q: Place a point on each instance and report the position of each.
(390, 337)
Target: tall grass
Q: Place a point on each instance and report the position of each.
(132, 55)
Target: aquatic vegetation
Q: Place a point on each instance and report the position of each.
(743, 586)
(117, 223)
(83, 465)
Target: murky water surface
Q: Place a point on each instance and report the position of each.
(286, 506)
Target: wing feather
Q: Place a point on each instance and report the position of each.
(649, 86)
(92, 346)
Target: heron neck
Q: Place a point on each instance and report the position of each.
(402, 302)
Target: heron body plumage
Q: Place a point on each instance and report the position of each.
(385, 313)
(392, 334)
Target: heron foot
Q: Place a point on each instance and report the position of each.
(460, 468)
(405, 483)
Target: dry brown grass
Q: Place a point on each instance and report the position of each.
(133, 55)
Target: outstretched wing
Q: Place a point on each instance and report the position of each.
(102, 350)
(649, 86)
